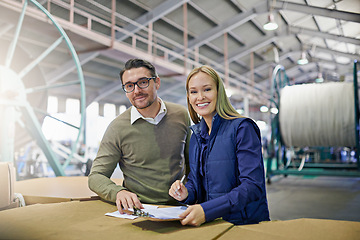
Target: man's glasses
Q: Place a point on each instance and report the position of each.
(141, 83)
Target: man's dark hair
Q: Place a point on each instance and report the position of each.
(138, 63)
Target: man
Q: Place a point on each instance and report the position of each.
(149, 141)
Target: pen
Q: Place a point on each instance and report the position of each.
(181, 181)
(183, 178)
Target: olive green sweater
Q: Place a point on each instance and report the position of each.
(151, 157)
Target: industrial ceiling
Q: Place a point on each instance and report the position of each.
(177, 35)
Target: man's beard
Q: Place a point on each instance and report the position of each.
(148, 103)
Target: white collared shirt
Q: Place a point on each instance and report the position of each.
(135, 115)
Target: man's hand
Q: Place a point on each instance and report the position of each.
(178, 191)
(194, 215)
(126, 200)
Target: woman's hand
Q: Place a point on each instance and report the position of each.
(194, 215)
(178, 191)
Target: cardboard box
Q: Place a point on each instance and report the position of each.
(87, 220)
(58, 189)
(297, 229)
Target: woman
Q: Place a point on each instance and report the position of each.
(226, 167)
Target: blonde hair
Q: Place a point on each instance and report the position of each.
(223, 106)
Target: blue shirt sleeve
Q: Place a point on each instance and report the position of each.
(191, 198)
(190, 184)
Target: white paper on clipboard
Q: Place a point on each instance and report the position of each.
(165, 213)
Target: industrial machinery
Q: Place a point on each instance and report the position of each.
(316, 129)
(25, 87)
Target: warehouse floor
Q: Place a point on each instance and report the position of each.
(319, 197)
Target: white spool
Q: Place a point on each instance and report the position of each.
(313, 115)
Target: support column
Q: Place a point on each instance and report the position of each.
(61, 105)
(7, 133)
(246, 106)
(185, 37)
(101, 109)
(226, 61)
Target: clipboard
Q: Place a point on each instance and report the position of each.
(162, 220)
(157, 215)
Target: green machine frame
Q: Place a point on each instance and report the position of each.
(277, 163)
(10, 108)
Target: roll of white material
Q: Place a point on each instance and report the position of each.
(312, 115)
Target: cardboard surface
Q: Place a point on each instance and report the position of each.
(58, 189)
(87, 220)
(73, 219)
(298, 229)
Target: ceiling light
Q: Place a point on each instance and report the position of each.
(264, 109)
(303, 60)
(319, 78)
(271, 24)
(262, 125)
(229, 92)
(240, 111)
(274, 110)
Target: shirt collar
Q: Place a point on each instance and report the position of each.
(204, 129)
(135, 114)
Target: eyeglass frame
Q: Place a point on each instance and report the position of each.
(136, 83)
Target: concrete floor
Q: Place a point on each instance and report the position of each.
(321, 197)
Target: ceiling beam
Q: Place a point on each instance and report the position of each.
(103, 92)
(228, 25)
(158, 12)
(290, 71)
(179, 27)
(215, 21)
(266, 40)
(241, 52)
(69, 67)
(298, 30)
(283, 57)
(4, 29)
(254, 21)
(172, 89)
(318, 11)
(246, 16)
(338, 53)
